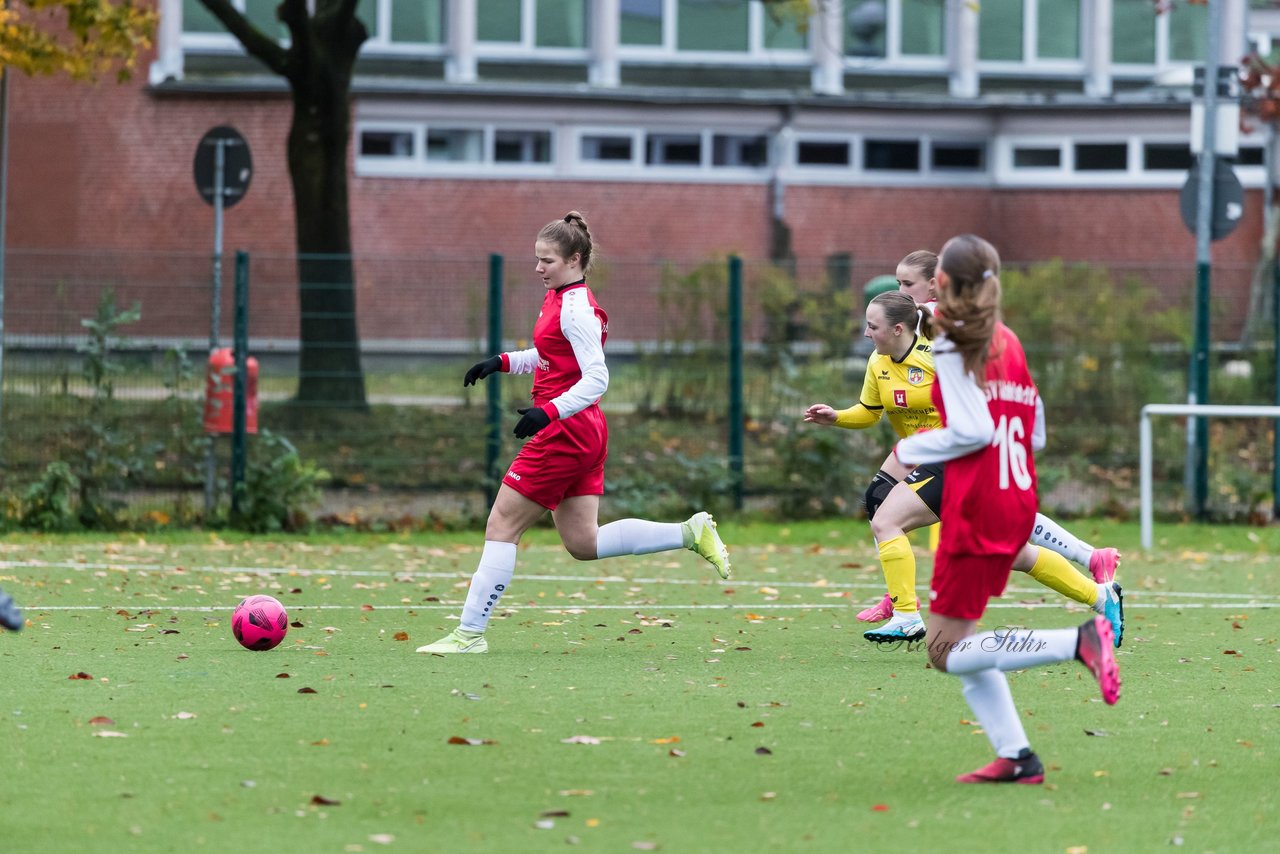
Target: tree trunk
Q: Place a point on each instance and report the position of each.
(329, 367)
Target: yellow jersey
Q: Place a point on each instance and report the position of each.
(902, 390)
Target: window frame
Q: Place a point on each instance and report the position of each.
(755, 54)
(419, 166)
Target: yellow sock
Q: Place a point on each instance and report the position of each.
(1055, 572)
(899, 565)
(935, 533)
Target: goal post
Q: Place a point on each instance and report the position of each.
(1206, 410)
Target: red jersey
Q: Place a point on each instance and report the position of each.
(989, 493)
(567, 358)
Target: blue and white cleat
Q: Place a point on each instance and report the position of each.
(10, 616)
(907, 626)
(1113, 610)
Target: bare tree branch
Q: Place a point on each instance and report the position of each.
(255, 42)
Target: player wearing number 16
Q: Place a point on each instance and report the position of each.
(561, 467)
(987, 400)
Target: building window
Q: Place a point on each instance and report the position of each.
(671, 149)
(712, 25)
(386, 143)
(891, 154)
(923, 27)
(1139, 37)
(498, 21)
(865, 29)
(455, 145)
(417, 21)
(533, 23)
(1037, 157)
(1251, 155)
(1000, 30)
(730, 150)
(1101, 156)
(602, 148)
(561, 23)
(1160, 156)
(1057, 29)
(641, 22)
(959, 156)
(522, 146)
(822, 153)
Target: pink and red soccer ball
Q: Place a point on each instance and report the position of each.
(260, 623)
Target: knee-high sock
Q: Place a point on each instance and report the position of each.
(987, 693)
(1050, 534)
(935, 536)
(899, 565)
(1012, 649)
(490, 580)
(638, 537)
(1053, 571)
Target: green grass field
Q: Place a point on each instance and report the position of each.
(632, 704)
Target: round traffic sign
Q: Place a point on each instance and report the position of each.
(237, 165)
(1228, 199)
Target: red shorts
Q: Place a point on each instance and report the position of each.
(566, 458)
(963, 583)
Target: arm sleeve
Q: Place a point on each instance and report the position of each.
(969, 425)
(520, 361)
(581, 326)
(868, 409)
(1040, 434)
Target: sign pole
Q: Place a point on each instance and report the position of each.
(1197, 480)
(219, 180)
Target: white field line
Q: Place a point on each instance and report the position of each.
(407, 575)
(1235, 600)
(576, 610)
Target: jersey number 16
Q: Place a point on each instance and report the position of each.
(1013, 452)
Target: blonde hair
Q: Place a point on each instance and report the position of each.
(969, 306)
(923, 260)
(570, 236)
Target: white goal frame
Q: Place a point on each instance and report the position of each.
(1208, 410)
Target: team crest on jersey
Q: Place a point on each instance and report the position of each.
(915, 376)
(900, 397)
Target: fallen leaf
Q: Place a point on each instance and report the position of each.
(554, 814)
(283, 676)
(758, 724)
(107, 733)
(577, 793)
(322, 801)
(1187, 795)
(580, 739)
(101, 720)
(675, 752)
(324, 742)
(672, 740)
(382, 838)
(544, 824)
(307, 691)
(641, 845)
(880, 808)
(1165, 772)
(763, 751)
(401, 636)
(366, 607)
(768, 796)
(457, 739)
(80, 675)
(184, 716)
(1097, 732)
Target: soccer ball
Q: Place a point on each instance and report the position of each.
(260, 623)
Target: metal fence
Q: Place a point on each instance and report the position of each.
(1103, 342)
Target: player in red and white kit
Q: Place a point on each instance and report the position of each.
(987, 400)
(561, 468)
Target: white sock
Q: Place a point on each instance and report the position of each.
(1051, 535)
(1101, 605)
(492, 577)
(1012, 649)
(638, 537)
(987, 693)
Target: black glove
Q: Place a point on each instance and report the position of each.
(480, 370)
(531, 421)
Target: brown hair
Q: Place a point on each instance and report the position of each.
(570, 236)
(900, 308)
(923, 260)
(969, 306)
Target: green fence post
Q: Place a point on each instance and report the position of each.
(239, 408)
(493, 387)
(736, 426)
(1275, 338)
